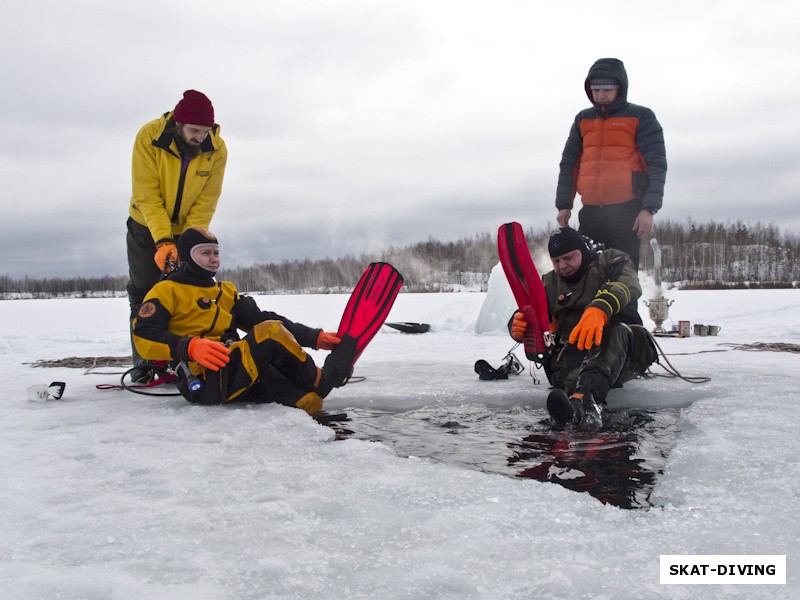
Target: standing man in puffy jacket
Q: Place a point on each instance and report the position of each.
(178, 166)
(616, 160)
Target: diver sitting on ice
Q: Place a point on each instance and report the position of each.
(592, 300)
(191, 317)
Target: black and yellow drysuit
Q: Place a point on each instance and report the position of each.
(269, 364)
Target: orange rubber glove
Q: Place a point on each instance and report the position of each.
(518, 327)
(212, 355)
(327, 340)
(589, 329)
(165, 251)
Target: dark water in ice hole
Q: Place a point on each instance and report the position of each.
(618, 465)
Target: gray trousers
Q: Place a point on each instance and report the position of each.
(143, 273)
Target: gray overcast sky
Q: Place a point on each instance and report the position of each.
(355, 124)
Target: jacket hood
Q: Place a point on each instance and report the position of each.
(612, 68)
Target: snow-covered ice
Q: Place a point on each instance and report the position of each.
(110, 495)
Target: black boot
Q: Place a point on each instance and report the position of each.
(142, 372)
(338, 366)
(559, 408)
(586, 414)
(590, 392)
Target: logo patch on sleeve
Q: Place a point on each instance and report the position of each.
(148, 309)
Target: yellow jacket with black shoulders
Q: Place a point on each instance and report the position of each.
(182, 307)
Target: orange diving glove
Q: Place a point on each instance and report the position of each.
(518, 327)
(589, 330)
(165, 251)
(327, 340)
(212, 355)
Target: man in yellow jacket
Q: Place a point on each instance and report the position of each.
(177, 171)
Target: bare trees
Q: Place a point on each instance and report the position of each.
(709, 254)
(733, 253)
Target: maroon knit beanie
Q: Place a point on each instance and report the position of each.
(195, 108)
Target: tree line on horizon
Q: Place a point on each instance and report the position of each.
(697, 255)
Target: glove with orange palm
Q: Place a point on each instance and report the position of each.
(518, 327)
(327, 340)
(212, 355)
(165, 251)
(589, 330)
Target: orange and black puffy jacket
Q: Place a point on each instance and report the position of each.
(613, 155)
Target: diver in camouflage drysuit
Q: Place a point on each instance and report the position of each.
(600, 343)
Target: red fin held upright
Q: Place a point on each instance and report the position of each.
(527, 287)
